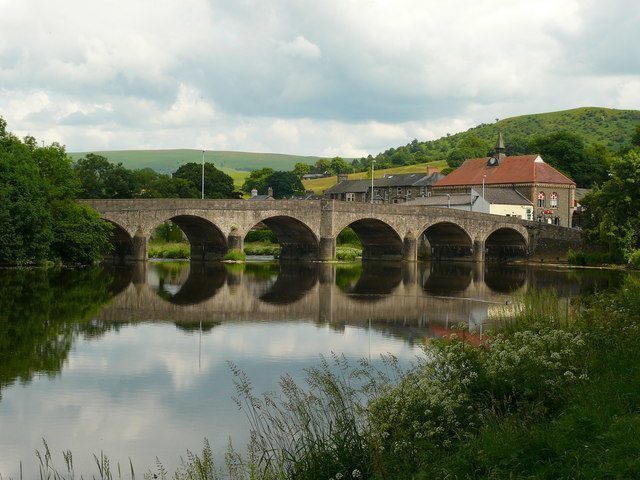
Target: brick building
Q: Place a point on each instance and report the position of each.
(550, 192)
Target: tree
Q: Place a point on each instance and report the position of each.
(338, 165)
(301, 169)
(322, 165)
(612, 210)
(100, 178)
(567, 152)
(471, 146)
(284, 184)
(217, 184)
(38, 213)
(635, 138)
(256, 180)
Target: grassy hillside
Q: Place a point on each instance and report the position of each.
(607, 126)
(167, 161)
(320, 184)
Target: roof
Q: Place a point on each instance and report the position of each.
(505, 196)
(517, 169)
(580, 193)
(444, 200)
(261, 197)
(349, 186)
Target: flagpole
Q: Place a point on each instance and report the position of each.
(202, 174)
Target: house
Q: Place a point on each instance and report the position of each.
(255, 196)
(470, 201)
(391, 188)
(550, 192)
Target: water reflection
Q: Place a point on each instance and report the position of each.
(146, 344)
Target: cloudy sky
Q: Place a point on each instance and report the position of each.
(328, 77)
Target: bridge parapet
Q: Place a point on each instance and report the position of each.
(308, 229)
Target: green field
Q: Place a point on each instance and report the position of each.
(320, 184)
(168, 161)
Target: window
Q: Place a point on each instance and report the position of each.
(408, 194)
(554, 200)
(541, 202)
(399, 191)
(528, 214)
(386, 195)
(351, 197)
(422, 190)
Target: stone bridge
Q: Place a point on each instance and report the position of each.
(307, 229)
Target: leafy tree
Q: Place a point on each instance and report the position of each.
(635, 138)
(256, 180)
(338, 165)
(217, 184)
(567, 152)
(284, 184)
(470, 146)
(39, 216)
(301, 169)
(100, 178)
(322, 165)
(612, 211)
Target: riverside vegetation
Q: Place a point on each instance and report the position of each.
(553, 392)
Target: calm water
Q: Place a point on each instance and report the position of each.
(133, 361)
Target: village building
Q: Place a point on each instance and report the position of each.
(550, 192)
(391, 188)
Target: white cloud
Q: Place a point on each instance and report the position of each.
(308, 77)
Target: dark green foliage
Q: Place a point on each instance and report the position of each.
(168, 232)
(101, 179)
(339, 165)
(635, 138)
(612, 211)
(348, 237)
(568, 153)
(470, 146)
(40, 219)
(284, 184)
(256, 180)
(301, 169)
(592, 258)
(264, 235)
(217, 184)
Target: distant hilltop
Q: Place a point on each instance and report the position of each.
(609, 127)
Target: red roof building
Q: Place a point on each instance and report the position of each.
(551, 192)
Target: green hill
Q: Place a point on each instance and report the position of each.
(609, 127)
(168, 161)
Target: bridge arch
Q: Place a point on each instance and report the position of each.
(296, 239)
(192, 284)
(206, 239)
(445, 239)
(505, 243)
(380, 241)
(122, 242)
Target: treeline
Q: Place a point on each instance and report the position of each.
(100, 178)
(40, 218)
(612, 208)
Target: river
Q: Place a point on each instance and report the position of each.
(134, 361)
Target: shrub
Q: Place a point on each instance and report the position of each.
(348, 253)
(634, 259)
(262, 235)
(589, 258)
(262, 249)
(348, 237)
(169, 250)
(235, 255)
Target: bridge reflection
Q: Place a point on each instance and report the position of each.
(402, 299)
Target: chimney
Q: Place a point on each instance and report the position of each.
(500, 149)
(254, 192)
(270, 192)
(342, 177)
